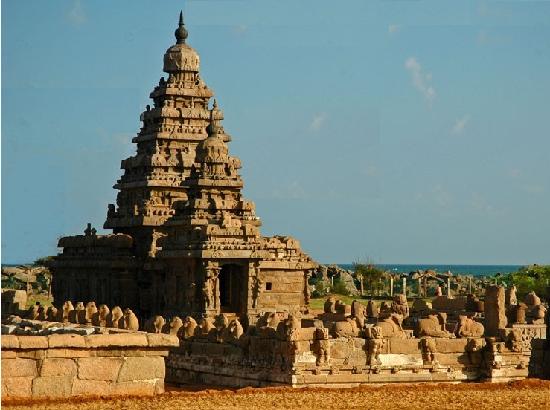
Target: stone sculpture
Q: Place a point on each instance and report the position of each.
(375, 344)
(466, 327)
(400, 306)
(67, 311)
(33, 312)
(321, 346)
(155, 324)
(131, 321)
(428, 350)
(391, 327)
(189, 328)
(539, 313)
(235, 329)
(91, 311)
(433, 326)
(510, 296)
(372, 309)
(116, 318)
(103, 315)
(358, 311)
(80, 313)
(330, 305)
(52, 314)
(175, 325)
(531, 299)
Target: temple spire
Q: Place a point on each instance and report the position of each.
(181, 32)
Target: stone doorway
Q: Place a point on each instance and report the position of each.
(231, 288)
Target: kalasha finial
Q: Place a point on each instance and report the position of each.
(215, 105)
(181, 32)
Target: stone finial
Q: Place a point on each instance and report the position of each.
(181, 32)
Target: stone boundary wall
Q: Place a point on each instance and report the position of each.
(63, 365)
(268, 362)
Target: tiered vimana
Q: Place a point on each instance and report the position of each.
(184, 239)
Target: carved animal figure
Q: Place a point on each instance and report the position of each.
(291, 327)
(155, 324)
(52, 314)
(42, 315)
(347, 328)
(330, 305)
(510, 295)
(467, 327)
(235, 329)
(80, 311)
(531, 299)
(131, 321)
(372, 309)
(103, 315)
(358, 311)
(91, 310)
(188, 329)
(400, 306)
(539, 313)
(206, 326)
(67, 311)
(391, 327)
(433, 326)
(175, 325)
(33, 312)
(116, 318)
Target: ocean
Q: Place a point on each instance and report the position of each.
(474, 270)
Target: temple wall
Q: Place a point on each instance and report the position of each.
(287, 289)
(63, 365)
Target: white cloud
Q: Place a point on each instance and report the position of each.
(394, 28)
(77, 15)
(460, 124)
(317, 122)
(420, 79)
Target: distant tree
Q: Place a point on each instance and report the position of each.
(370, 274)
(340, 288)
(533, 278)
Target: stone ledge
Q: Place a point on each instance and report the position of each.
(162, 340)
(10, 342)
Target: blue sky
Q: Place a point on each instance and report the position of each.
(401, 131)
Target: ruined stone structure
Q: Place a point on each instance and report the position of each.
(184, 240)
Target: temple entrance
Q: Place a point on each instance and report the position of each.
(231, 288)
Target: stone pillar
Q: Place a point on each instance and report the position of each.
(391, 286)
(361, 283)
(419, 287)
(404, 292)
(495, 310)
(448, 287)
(469, 284)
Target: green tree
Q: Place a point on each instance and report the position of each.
(370, 275)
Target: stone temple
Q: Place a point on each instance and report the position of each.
(184, 239)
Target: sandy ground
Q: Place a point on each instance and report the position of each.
(528, 394)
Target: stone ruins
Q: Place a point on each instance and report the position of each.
(184, 240)
(186, 276)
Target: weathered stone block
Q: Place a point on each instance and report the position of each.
(134, 388)
(91, 387)
(33, 342)
(58, 367)
(404, 346)
(16, 387)
(162, 340)
(99, 368)
(19, 367)
(9, 354)
(10, 342)
(66, 340)
(141, 368)
(52, 386)
(120, 339)
(450, 345)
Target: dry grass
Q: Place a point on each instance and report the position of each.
(530, 394)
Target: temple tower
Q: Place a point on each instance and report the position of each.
(184, 240)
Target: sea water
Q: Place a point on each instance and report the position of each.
(474, 270)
